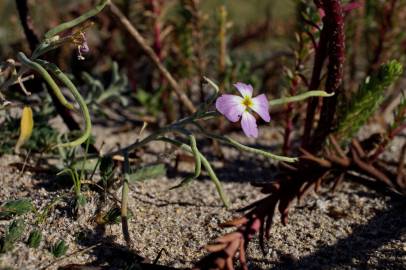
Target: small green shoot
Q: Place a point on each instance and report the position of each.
(59, 249)
(367, 100)
(14, 232)
(112, 216)
(15, 208)
(106, 169)
(34, 240)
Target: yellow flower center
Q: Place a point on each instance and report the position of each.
(247, 102)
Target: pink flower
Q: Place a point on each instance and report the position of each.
(235, 108)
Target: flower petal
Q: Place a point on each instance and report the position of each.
(230, 106)
(260, 105)
(244, 89)
(249, 125)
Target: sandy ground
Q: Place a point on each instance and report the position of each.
(354, 228)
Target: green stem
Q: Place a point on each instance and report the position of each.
(67, 25)
(242, 147)
(42, 71)
(258, 151)
(85, 111)
(124, 199)
(198, 163)
(308, 94)
(206, 165)
(162, 131)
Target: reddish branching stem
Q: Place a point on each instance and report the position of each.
(26, 23)
(385, 27)
(156, 10)
(382, 146)
(334, 20)
(319, 59)
(294, 182)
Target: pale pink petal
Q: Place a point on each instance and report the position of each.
(249, 125)
(244, 89)
(230, 106)
(351, 6)
(321, 13)
(260, 105)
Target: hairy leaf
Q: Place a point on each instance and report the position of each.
(367, 100)
(59, 249)
(14, 232)
(34, 240)
(15, 208)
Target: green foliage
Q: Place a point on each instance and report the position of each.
(44, 213)
(59, 249)
(34, 240)
(151, 101)
(97, 93)
(107, 168)
(367, 100)
(113, 216)
(43, 135)
(79, 200)
(15, 208)
(14, 232)
(399, 115)
(147, 172)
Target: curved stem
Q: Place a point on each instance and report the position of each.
(198, 163)
(67, 25)
(85, 111)
(259, 151)
(206, 165)
(308, 94)
(243, 147)
(124, 199)
(162, 131)
(38, 68)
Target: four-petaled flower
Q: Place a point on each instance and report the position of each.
(235, 108)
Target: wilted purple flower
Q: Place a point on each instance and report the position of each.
(235, 108)
(83, 47)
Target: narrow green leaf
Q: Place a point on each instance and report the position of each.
(34, 240)
(15, 208)
(14, 232)
(70, 24)
(59, 249)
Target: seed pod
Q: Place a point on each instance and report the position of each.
(26, 126)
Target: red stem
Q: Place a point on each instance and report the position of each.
(319, 59)
(386, 25)
(334, 22)
(156, 10)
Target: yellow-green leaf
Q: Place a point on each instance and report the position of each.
(26, 126)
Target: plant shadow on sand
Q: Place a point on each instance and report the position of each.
(349, 253)
(353, 252)
(236, 168)
(111, 255)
